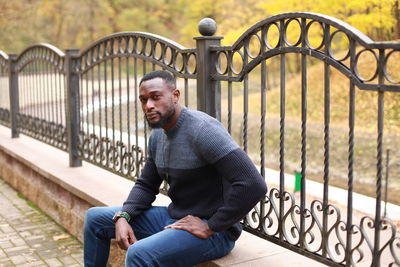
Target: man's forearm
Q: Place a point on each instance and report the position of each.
(247, 188)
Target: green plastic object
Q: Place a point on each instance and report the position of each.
(297, 181)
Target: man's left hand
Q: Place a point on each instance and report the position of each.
(193, 225)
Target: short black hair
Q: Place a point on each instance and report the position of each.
(163, 74)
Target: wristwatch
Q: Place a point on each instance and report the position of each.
(121, 214)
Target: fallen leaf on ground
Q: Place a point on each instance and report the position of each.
(60, 237)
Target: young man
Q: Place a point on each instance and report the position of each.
(212, 185)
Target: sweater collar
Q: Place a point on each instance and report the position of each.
(178, 123)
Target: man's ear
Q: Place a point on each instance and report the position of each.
(176, 94)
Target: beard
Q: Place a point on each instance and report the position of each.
(164, 119)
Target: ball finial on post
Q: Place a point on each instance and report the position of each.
(207, 27)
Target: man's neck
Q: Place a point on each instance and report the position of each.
(175, 118)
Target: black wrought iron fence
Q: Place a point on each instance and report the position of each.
(313, 227)
(260, 88)
(40, 113)
(4, 90)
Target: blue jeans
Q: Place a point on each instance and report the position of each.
(156, 246)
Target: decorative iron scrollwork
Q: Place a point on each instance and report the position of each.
(114, 156)
(320, 236)
(48, 132)
(4, 116)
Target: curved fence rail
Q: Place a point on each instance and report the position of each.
(112, 132)
(262, 60)
(41, 92)
(4, 90)
(301, 92)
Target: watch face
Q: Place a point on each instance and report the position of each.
(117, 215)
(122, 214)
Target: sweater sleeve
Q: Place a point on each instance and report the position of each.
(247, 188)
(144, 191)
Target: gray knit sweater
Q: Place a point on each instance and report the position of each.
(209, 176)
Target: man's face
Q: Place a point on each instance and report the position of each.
(158, 102)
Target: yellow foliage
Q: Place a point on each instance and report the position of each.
(77, 23)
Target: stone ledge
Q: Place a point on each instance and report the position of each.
(41, 173)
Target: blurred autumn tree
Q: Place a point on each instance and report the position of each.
(77, 23)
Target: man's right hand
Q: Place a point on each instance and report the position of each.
(124, 234)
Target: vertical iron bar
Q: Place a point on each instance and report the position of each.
(43, 92)
(135, 73)
(72, 116)
(262, 133)
(135, 107)
(120, 109)
(128, 111)
(263, 114)
(377, 235)
(29, 92)
(263, 106)
(100, 110)
(144, 67)
(55, 100)
(326, 143)
(36, 90)
(81, 106)
(352, 97)
(61, 96)
(14, 96)
(303, 136)
(52, 88)
(39, 84)
(386, 179)
(22, 93)
(92, 111)
(245, 105)
(229, 59)
(28, 105)
(64, 103)
(229, 105)
(282, 133)
(186, 92)
(144, 72)
(112, 109)
(87, 104)
(43, 100)
(53, 85)
(106, 111)
(47, 94)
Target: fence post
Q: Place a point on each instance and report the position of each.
(72, 116)
(14, 95)
(208, 90)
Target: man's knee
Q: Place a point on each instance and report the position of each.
(139, 255)
(91, 216)
(94, 217)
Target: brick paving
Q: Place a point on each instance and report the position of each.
(28, 237)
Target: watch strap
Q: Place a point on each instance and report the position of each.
(121, 214)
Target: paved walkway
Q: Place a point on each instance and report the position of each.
(28, 237)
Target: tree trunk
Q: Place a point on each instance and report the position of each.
(396, 13)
